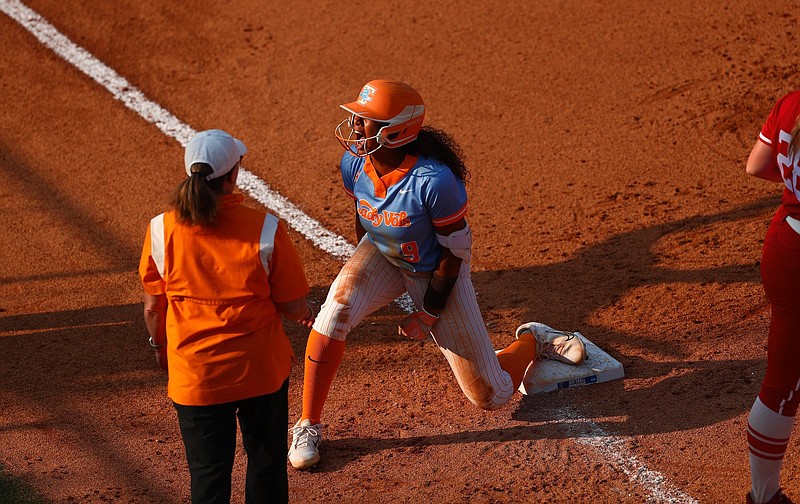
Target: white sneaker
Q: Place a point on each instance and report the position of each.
(563, 346)
(306, 438)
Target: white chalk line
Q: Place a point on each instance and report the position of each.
(613, 449)
(170, 125)
(610, 447)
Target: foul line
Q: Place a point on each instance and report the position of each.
(608, 446)
(154, 113)
(612, 448)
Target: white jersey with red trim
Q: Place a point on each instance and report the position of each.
(399, 210)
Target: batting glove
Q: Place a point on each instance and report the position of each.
(417, 326)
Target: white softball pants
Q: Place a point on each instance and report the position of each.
(368, 282)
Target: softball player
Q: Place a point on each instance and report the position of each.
(776, 157)
(408, 186)
(217, 276)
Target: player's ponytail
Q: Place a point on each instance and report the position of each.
(195, 199)
(794, 145)
(440, 146)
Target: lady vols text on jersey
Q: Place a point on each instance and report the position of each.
(408, 186)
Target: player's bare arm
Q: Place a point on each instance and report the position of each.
(761, 163)
(298, 310)
(155, 319)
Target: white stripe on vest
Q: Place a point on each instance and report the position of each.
(157, 242)
(267, 242)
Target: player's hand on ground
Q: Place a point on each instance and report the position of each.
(417, 326)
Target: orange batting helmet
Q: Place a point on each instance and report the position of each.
(394, 103)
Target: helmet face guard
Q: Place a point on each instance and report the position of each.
(393, 103)
(351, 141)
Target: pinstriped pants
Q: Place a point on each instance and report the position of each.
(368, 282)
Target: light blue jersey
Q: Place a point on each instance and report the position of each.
(399, 211)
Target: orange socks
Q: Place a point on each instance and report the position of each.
(515, 358)
(323, 356)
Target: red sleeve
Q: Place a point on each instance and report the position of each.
(769, 133)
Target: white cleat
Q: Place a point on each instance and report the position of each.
(306, 438)
(563, 346)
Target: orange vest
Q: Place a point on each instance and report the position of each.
(225, 338)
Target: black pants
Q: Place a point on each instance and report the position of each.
(209, 436)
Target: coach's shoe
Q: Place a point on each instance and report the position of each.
(778, 498)
(306, 438)
(562, 346)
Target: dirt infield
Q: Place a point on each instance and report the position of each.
(607, 143)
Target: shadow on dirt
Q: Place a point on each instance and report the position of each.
(53, 364)
(52, 355)
(679, 394)
(57, 358)
(690, 395)
(600, 275)
(67, 211)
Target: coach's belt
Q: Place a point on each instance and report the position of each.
(794, 223)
